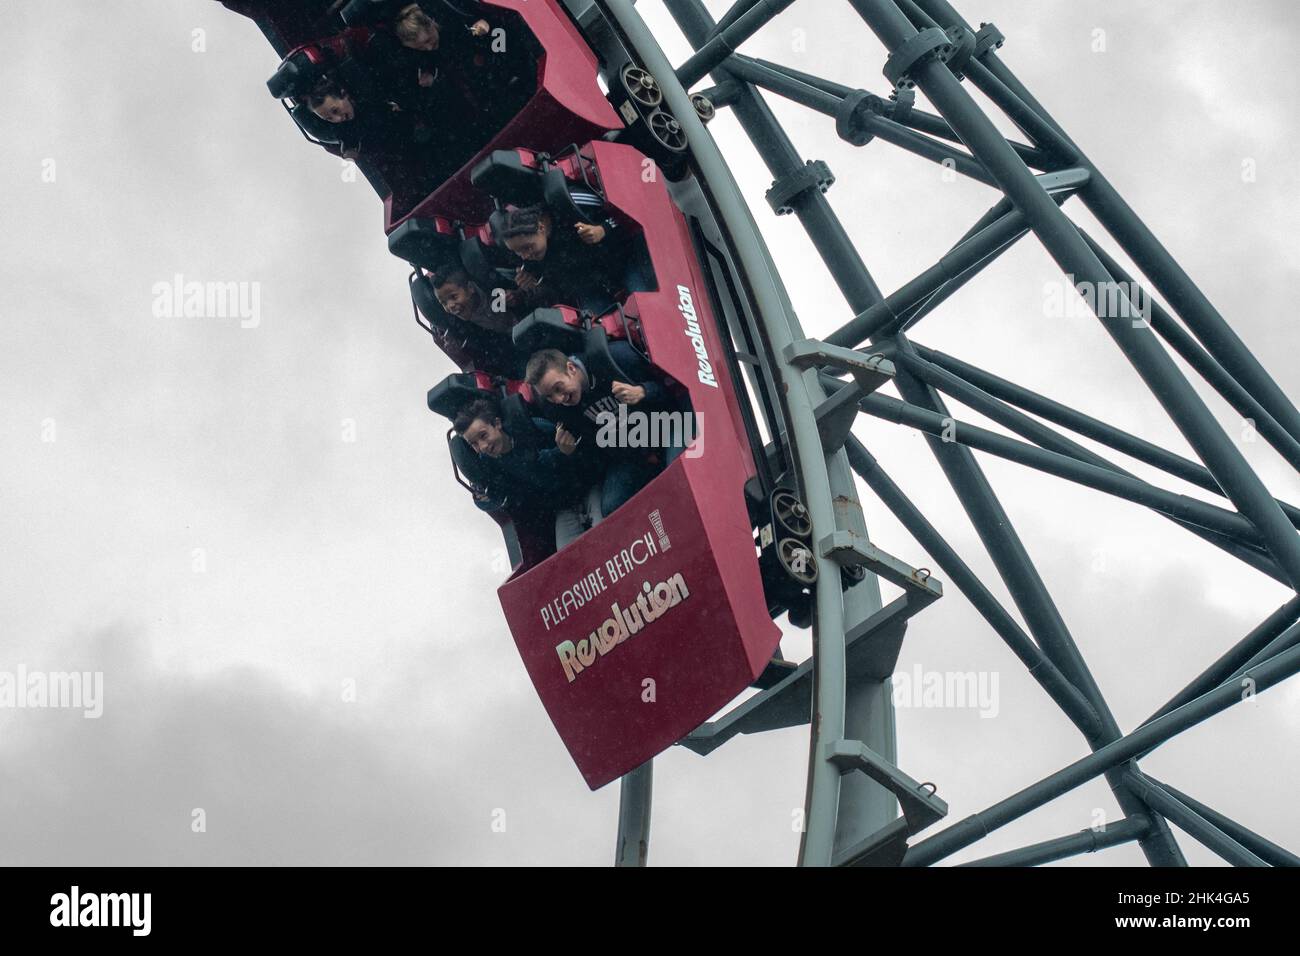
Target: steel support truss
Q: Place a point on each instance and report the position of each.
(856, 789)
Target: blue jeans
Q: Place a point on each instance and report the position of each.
(571, 522)
(623, 479)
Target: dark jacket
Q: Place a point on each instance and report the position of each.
(580, 275)
(583, 420)
(534, 474)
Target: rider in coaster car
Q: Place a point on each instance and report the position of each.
(576, 400)
(483, 320)
(458, 69)
(362, 127)
(581, 264)
(526, 467)
(402, 142)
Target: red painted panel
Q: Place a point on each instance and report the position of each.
(567, 108)
(688, 537)
(711, 644)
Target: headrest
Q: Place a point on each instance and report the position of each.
(555, 193)
(296, 76)
(357, 12)
(422, 292)
(466, 460)
(457, 390)
(503, 173)
(549, 329)
(425, 242)
(497, 225)
(597, 355)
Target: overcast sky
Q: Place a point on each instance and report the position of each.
(185, 513)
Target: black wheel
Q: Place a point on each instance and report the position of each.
(797, 561)
(790, 515)
(704, 107)
(642, 87)
(667, 132)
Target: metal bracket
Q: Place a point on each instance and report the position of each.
(870, 646)
(903, 101)
(920, 46)
(814, 174)
(869, 369)
(845, 548)
(963, 48)
(854, 116)
(989, 37)
(886, 847)
(920, 806)
(1064, 180)
(836, 414)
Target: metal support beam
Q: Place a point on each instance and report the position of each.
(1065, 245)
(1085, 841)
(1235, 659)
(1041, 435)
(1049, 677)
(1193, 823)
(726, 41)
(1266, 850)
(864, 709)
(1081, 771)
(1085, 425)
(634, 799)
(1031, 596)
(884, 315)
(1194, 355)
(1140, 243)
(954, 432)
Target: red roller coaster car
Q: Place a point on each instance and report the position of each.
(657, 617)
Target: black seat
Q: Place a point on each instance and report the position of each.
(420, 242)
(556, 196)
(466, 461)
(455, 392)
(426, 301)
(488, 265)
(547, 329)
(517, 418)
(295, 77)
(503, 174)
(322, 131)
(360, 12)
(598, 359)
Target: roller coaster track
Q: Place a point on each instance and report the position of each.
(855, 788)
